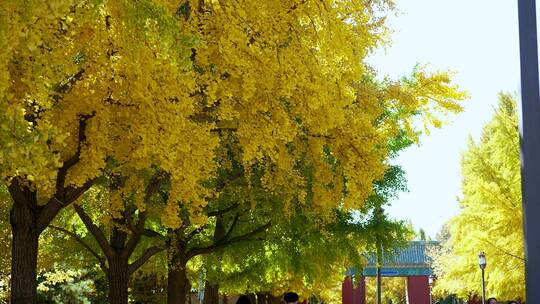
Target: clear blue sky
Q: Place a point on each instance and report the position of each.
(479, 40)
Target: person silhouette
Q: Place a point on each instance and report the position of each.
(243, 299)
(290, 298)
(492, 301)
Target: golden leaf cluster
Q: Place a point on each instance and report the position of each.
(159, 83)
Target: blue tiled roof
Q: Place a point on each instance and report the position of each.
(412, 260)
(415, 254)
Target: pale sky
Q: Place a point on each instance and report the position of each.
(479, 40)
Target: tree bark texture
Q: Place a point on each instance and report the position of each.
(28, 220)
(178, 285)
(211, 293)
(118, 277)
(24, 253)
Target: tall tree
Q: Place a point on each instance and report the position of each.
(83, 84)
(126, 228)
(88, 86)
(490, 215)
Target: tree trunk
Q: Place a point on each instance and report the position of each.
(262, 298)
(118, 281)
(24, 253)
(211, 293)
(271, 299)
(24, 246)
(252, 298)
(178, 285)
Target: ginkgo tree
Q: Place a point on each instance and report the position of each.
(78, 93)
(490, 215)
(90, 87)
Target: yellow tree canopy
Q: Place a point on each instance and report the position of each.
(91, 82)
(490, 216)
(133, 85)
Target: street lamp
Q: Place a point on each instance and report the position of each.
(482, 263)
(430, 281)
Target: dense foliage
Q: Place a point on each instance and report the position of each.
(490, 215)
(152, 110)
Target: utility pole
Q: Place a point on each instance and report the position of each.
(530, 146)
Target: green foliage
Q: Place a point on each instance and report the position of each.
(66, 288)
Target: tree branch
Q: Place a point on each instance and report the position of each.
(143, 258)
(63, 88)
(504, 251)
(95, 231)
(135, 236)
(194, 232)
(151, 189)
(233, 176)
(153, 234)
(231, 228)
(64, 196)
(68, 164)
(77, 238)
(226, 242)
(53, 206)
(222, 211)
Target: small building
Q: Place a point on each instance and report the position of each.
(412, 262)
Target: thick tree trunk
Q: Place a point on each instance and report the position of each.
(118, 277)
(211, 293)
(24, 253)
(177, 285)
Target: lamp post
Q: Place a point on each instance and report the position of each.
(482, 263)
(430, 281)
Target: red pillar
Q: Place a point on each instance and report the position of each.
(347, 291)
(360, 291)
(418, 289)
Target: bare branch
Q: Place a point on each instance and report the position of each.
(231, 228)
(135, 236)
(153, 234)
(95, 231)
(503, 251)
(222, 211)
(194, 232)
(151, 189)
(54, 205)
(226, 242)
(143, 258)
(77, 238)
